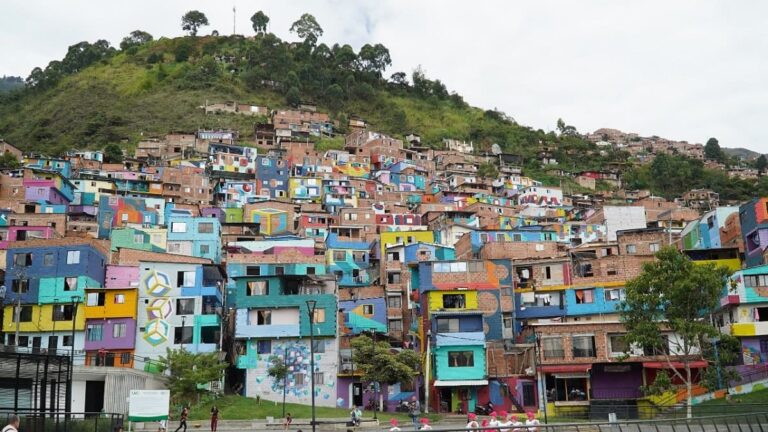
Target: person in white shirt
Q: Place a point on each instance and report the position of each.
(425, 424)
(13, 424)
(532, 423)
(472, 421)
(516, 423)
(504, 421)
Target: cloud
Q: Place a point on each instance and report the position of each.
(685, 70)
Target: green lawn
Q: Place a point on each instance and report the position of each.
(756, 401)
(242, 408)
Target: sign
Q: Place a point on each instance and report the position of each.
(148, 405)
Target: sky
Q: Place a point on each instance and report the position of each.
(683, 69)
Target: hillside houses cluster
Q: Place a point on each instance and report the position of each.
(203, 243)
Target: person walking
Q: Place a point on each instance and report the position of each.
(13, 424)
(415, 411)
(183, 419)
(287, 422)
(214, 418)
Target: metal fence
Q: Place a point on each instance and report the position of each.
(650, 412)
(34, 421)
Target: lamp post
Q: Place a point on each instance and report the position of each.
(539, 375)
(311, 304)
(75, 301)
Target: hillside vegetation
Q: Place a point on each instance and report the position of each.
(99, 95)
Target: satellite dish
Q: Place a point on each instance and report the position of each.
(496, 149)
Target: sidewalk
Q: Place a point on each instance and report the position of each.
(325, 424)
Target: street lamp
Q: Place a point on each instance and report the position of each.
(539, 375)
(311, 304)
(183, 322)
(75, 301)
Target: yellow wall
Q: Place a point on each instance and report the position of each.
(42, 320)
(733, 264)
(390, 238)
(110, 309)
(436, 300)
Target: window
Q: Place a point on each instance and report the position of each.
(476, 267)
(393, 277)
(367, 309)
(310, 270)
(655, 247)
(584, 270)
(359, 256)
(756, 281)
(257, 288)
(583, 346)
(319, 346)
(616, 294)
(23, 341)
(617, 344)
(125, 358)
(394, 302)
(22, 259)
(70, 284)
(298, 379)
(585, 296)
(264, 317)
(62, 313)
(764, 346)
(447, 325)
(119, 298)
(319, 316)
(264, 347)
(663, 348)
(48, 259)
(119, 330)
(20, 286)
(25, 314)
(174, 247)
(205, 249)
(461, 359)
(185, 306)
(73, 257)
(631, 249)
(552, 348)
(205, 228)
(95, 299)
(319, 378)
(548, 272)
(185, 278)
(179, 227)
(339, 255)
(93, 332)
(209, 334)
(279, 270)
(453, 267)
(182, 335)
(507, 320)
(396, 325)
(253, 271)
(66, 341)
(454, 301)
(138, 238)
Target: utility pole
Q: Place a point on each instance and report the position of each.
(234, 20)
(426, 373)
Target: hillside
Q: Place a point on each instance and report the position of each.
(10, 83)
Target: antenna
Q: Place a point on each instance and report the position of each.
(234, 19)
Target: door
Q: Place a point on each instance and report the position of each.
(53, 343)
(36, 342)
(357, 394)
(445, 399)
(94, 397)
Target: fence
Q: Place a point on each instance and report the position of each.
(35, 421)
(600, 412)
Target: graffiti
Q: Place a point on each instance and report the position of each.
(157, 285)
(271, 221)
(296, 357)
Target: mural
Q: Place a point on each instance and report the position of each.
(271, 221)
(238, 192)
(353, 169)
(157, 285)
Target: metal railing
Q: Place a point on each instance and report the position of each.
(600, 411)
(36, 421)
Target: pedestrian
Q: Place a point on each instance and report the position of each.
(492, 421)
(415, 411)
(13, 424)
(425, 424)
(504, 421)
(515, 423)
(118, 428)
(183, 419)
(394, 427)
(161, 425)
(356, 416)
(287, 422)
(472, 421)
(532, 422)
(214, 418)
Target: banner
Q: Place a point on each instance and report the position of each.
(148, 405)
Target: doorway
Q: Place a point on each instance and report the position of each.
(357, 394)
(94, 397)
(445, 399)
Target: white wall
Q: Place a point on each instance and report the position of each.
(623, 218)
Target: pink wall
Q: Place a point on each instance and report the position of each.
(121, 276)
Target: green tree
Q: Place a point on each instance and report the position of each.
(8, 161)
(334, 96)
(192, 21)
(712, 150)
(373, 59)
(278, 371)
(719, 373)
(113, 154)
(381, 364)
(487, 170)
(761, 164)
(672, 295)
(293, 97)
(260, 21)
(187, 374)
(136, 38)
(307, 28)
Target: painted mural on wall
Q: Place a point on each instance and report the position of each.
(271, 221)
(353, 169)
(157, 285)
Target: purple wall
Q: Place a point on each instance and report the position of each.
(343, 394)
(121, 277)
(214, 212)
(44, 193)
(107, 342)
(617, 380)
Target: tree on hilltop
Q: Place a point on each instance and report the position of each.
(761, 164)
(260, 21)
(192, 21)
(136, 38)
(307, 28)
(712, 150)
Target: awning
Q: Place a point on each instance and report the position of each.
(460, 383)
(675, 365)
(566, 368)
